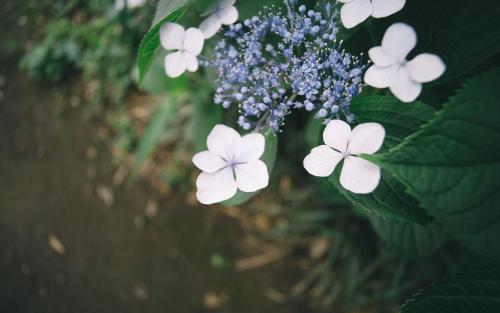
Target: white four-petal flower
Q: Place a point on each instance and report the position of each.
(223, 14)
(357, 175)
(188, 45)
(231, 163)
(354, 12)
(391, 69)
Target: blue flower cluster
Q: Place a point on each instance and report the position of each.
(276, 62)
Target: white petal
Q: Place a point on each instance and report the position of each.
(381, 58)
(359, 175)
(172, 36)
(425, 67)
(193, 41)
(210, 26)
(381, 77)
(208, 162)
(403, 87)
(366, 138)
(250, 148)
(399, 39)
(322, 161)
(175, 64)
(191, 61)
(355, 12)
(227, 15)
(222, 140)
(383, 8)
(216, 187)
(251, 176)
(337, 134)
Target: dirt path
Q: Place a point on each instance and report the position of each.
(49, 189)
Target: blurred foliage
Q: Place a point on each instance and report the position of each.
(94, 40)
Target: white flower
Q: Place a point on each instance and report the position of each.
(391, 69)
(223, 14)
(231, 163)
(120, 4)
(188, 45)
(357, 175)
(354, 12)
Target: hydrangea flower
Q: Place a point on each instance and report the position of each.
(342, 143)
(274, 63)
(231, 163)
(354, 12)
(391, 69)
(223, 14)
(187, 45)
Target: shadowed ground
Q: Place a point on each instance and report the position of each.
(98, 259)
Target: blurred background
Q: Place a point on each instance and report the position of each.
(97, 210)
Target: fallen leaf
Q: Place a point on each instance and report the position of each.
(259, 260)
(151, 208)
(319, 247)
(106, 195)
(56, 245)
(140, 292)
(213, 300)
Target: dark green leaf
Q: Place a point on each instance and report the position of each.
(389, 200)
(452, 164)
(168, 11)
(473, 291)
(248, 9)
(413, 241)
(485, 242)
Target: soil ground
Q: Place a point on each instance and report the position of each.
(63, 249)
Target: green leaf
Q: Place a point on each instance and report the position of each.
(167, 11)
(473, 291)
(413, 241)
(269, 157)
(452, 164)
(154, 131)
(485, 242)
(389, 201)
